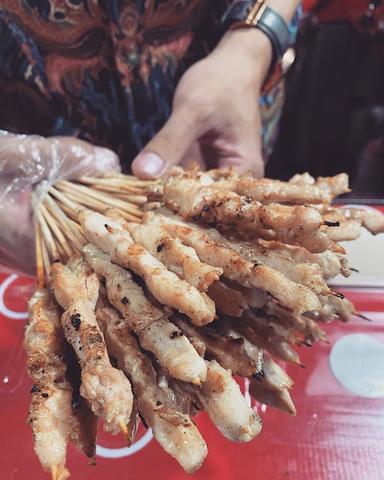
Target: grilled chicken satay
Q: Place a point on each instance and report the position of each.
(301, 188)
(51, 404)
(177, 257)
(83, 430)
(308, 274)
(334, 305)
(340, 228)
(226, 406)
(329, 262)
(174, 430)
(228, 350)
(192, 197)
(334, 186)
(156, 333)
(228, 300)
(235, 267)
(233, 299)
(257, 330)
(266, 190)
(306, 326)
(107, 390)
(272, 388)
(351, 218)
(372, 219)
(221, 398)
(164, 285)
(347, 230)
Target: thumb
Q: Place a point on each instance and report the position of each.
(168, 147)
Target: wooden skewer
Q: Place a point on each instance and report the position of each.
(79, 232)
(134, 192)
(135, 199)
(126, 179)
(39, 256)
(133, 180)
(84, 200)
(62, 242)
(64, 257)
(72, 207)
(48, 237)
(68, 212)
(68, 226)
(101, 206)
(110, 185)
(86, 193)
(46, 262)
(129, 217)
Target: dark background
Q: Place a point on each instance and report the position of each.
(333, 119)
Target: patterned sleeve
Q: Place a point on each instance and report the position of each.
(271, 104)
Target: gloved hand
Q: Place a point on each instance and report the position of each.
(25, 162)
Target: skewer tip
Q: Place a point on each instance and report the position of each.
(360, 315)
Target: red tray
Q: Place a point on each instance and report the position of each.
(336, 435)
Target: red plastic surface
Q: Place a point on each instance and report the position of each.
(335, 436)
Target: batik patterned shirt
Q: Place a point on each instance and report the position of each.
(106, 70)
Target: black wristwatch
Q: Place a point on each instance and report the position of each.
(257, 14)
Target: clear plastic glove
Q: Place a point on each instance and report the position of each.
(29, 161)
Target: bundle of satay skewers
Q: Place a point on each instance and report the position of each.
(154, 294)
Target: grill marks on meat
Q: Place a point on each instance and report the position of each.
(107, 390)
(164, 285)
(192, 195)
(309, 275)
(84, 423)
(177, 257)
(330, 263)
(264, 268)
(211, 248)
(272, 388)
(230, 352)
(267, 191)
(174, 430)
(51, 404)
(156, 333)
(334, 186)
(226, 406)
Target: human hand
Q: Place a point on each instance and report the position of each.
(215, 118)
(25, 162)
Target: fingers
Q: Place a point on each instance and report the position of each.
(168, 147)
(76, 157)
(36, 158)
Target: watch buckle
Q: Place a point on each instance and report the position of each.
(255, 13)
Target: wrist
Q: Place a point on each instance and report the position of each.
(248, 46)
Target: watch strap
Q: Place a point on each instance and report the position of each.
(239, 15)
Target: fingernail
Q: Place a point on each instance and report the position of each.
(106, 159)
(149, 164)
